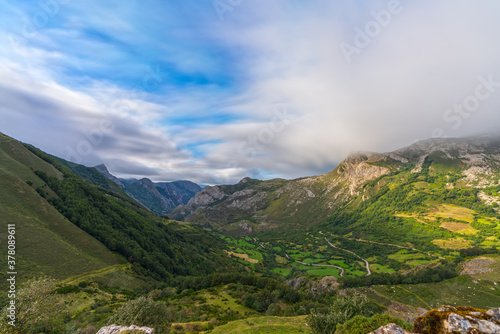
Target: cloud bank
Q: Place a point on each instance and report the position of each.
(213, 93)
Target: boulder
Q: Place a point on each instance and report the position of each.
(461, 319)
(114, 329)
(390, 329)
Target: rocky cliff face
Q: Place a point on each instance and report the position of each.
(254, 205)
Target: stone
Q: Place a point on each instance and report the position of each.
(461, 319)
(390, 329)
(115, 329)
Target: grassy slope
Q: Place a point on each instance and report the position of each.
(47, 243)
(278, 325)
(478, 291)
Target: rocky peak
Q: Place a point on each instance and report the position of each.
(359, 168)
(245, 180)
(146, 183)
(104, 171)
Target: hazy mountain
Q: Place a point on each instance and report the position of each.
(160, 197)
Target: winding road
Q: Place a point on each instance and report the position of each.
(345, 250)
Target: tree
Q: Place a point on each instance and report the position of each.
(143, 312)
(38, 309)
(341, 310)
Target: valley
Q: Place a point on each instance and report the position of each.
(409, 230)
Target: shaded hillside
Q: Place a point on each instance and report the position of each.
(47, 243)
(53, 207)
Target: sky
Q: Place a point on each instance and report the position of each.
(216, 90)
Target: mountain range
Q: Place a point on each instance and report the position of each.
(419, 224)
(159, 197)
(73, 221)
(252, 205)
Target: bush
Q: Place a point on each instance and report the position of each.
(38, 310)
(341, 310)
(143, 312)
(67, 289)
(362, 325)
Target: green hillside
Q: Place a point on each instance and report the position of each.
(66, 226)
(47, 243)
(408, 230)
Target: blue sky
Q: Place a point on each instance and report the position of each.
(214, 91)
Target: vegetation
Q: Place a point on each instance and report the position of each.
(362, 325)
(398, 246)
(37, 310)
(143, 311)
(340, 311)
(150, 244)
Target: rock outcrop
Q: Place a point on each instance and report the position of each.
(451, 320)
(461, 319)
(390, 329)
(114, 329)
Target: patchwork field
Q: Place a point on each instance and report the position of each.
(456, 243)
(449, 211)
(461, 228)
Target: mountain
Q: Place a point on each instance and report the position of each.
(411, 230)
(253, 205)
(161, 197)
(66, 226)
(47, 243)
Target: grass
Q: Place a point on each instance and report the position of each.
(263, 325)
(449, 211)
(282, 271)
(478, 291)
(339, 263)
(242, 256)
(456, 243)
(416, 263)
(462, 228)
(325, 272)
(459, 291)
(378, 268)
(221, 298)
(47, 243)
(494, 275)
(405, 255)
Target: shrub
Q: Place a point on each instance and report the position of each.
(341, 310)
(143, 312)
(362, 325)
(38, 309)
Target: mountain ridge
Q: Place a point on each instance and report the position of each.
(261, 205)
(159, 197)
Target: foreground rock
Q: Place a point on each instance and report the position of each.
(114, 329)
(461, 319)
(390, 329)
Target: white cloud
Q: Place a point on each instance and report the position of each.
(396, 90)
